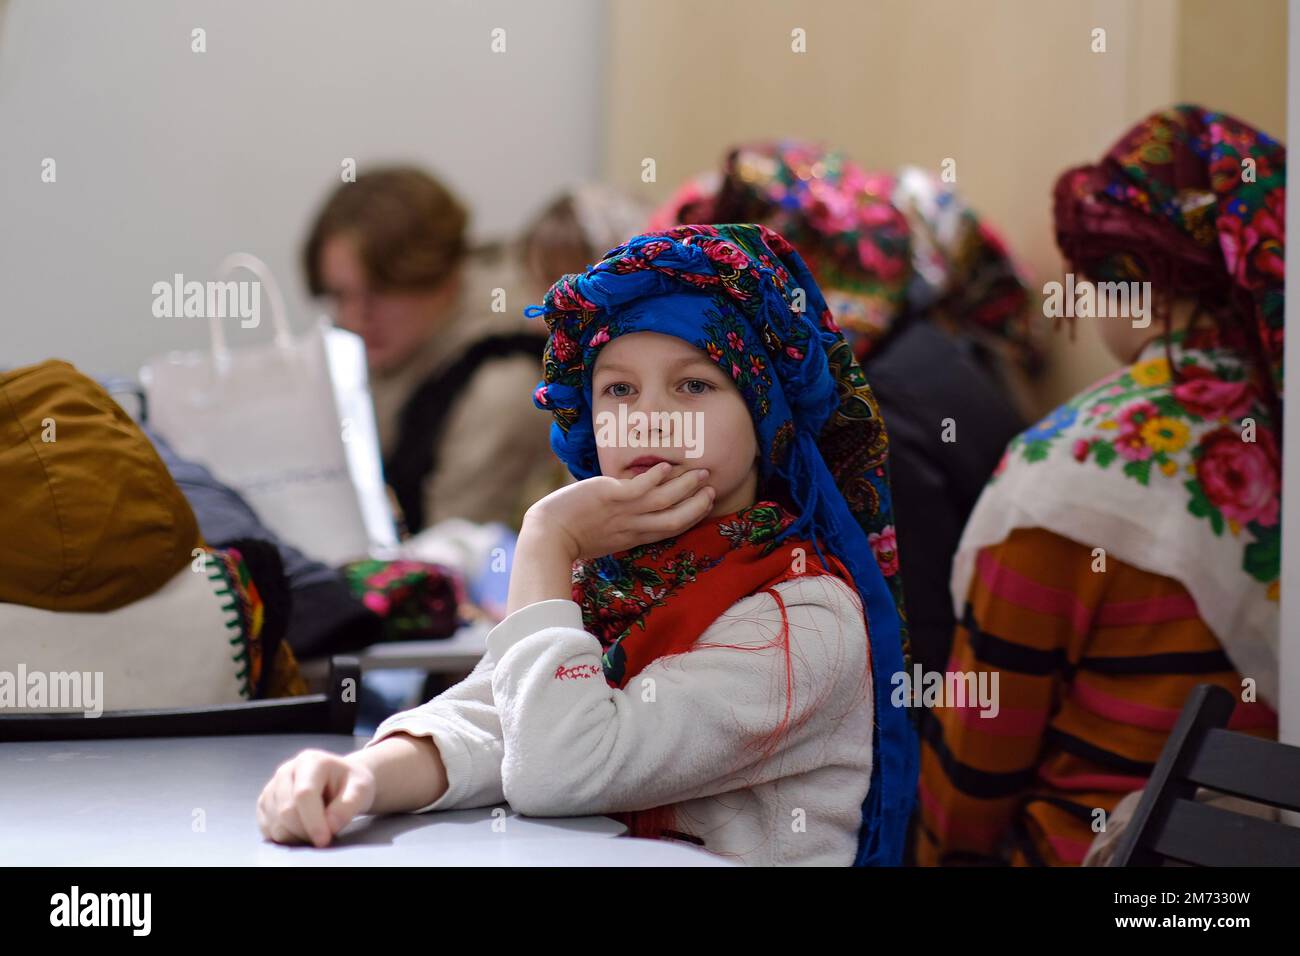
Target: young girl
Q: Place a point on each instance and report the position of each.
(1128, 547)
(700, 639)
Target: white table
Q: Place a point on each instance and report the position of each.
(460, 652)
(453, 655)
(190, 801)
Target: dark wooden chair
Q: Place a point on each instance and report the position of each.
(1171, 828)
(332, 712)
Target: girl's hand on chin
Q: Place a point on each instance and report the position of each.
(602, 515)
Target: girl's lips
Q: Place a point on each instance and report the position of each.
(645, 462)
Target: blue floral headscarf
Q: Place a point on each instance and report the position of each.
(743, 295)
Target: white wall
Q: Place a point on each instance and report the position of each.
(1289, 718)
(168, 160)
(1009, 89)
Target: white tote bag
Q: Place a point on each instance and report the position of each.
(289, 425)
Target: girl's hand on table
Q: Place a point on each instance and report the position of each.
(312, 796)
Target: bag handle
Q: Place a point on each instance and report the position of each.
(119, 385)
(279, 314)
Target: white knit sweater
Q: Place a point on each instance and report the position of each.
(537, 726)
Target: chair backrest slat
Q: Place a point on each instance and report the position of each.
(1202, 835)
(1170, 825)
(1249, 767)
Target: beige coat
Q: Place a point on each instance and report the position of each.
(494, 458)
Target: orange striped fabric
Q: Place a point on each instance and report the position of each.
(1093, 668)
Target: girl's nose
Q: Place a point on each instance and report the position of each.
(649, 402)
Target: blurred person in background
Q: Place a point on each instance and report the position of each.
(452, 359)
(573, 231)
(1128, 546)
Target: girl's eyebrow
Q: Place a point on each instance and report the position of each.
(673, 365)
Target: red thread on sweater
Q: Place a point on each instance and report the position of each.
(577, 671)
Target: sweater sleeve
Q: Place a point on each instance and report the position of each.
(738, 710)
(462, 722)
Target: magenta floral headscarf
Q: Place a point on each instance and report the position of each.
(1172, 464)
(880, 244)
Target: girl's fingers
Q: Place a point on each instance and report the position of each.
(309, 800)
(672, 491)
(288, 826)
(282, 819)
(280, 833)
(281, 790)
(635, 487)
(263, 823)
(676, 519)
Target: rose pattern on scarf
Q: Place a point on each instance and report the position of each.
(1185, 431)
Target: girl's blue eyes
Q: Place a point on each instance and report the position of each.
(707, 387)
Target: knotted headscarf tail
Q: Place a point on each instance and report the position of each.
(743, 295)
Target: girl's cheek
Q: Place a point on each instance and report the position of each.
(719, 441)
